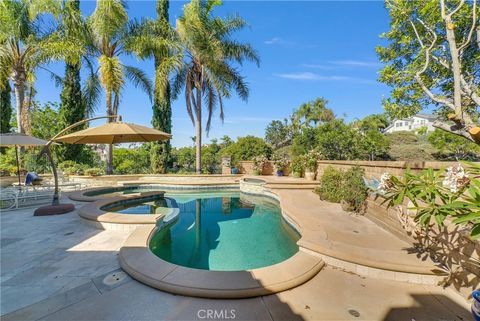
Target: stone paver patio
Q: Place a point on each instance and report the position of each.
(59, 268)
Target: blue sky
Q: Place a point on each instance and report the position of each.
(307, 49)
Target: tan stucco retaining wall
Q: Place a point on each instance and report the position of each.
(372, 168)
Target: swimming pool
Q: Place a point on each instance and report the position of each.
(224, 231)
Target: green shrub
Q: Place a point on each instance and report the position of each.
(77, 169)
(94, 171)
(346, 187)
(354, 191)
(330, 188)
(298, 166)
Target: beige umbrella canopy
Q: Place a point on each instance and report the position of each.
(16, 139)
(114, 133)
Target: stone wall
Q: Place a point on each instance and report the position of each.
(450, 246)
(375, 169)
(246, 168)
(372, 168)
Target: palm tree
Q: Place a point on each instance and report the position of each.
(24, 47)
(207, 74)
(110, 34)
(157, 39)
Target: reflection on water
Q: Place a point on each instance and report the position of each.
(229, 232)
(157, 206)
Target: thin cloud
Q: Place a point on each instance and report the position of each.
(310, 76)
(278, 41)
(318, 66)
(356, 63)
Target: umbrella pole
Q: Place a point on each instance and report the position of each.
(18, 167)
(55, 176)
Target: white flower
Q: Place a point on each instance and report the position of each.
(385, 183)
(455, 179)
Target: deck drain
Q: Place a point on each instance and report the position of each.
(354, 313)
(114, 278)
(68, 233)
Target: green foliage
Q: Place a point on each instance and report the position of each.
(437, 196)
(346, 187)
(298, 166)
(330, 188)
(354, 191)
(211, 159)
(72, 109)
(404, 57)
(208, 76)
(280, 162)
(94, 171)
(245, 148)
(453, 147)
(162, 109)
(278, 133)
(315, 112)
(376, 122)
(409, 146)
(131, 160)
(311, 160)
(70, 167)
(185, 158)
(259, 163)
(5, 108)
(372, 145)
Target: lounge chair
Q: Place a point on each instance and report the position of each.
(24, 196)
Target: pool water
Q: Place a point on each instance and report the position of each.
(225, 232)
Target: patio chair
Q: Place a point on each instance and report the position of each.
(24, 196)
(65, 183)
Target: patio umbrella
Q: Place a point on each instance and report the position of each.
(16, 139)
(114, 133)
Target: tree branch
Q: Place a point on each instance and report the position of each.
(432, 96)
(453, 129)
(472, 29)
(470, 91)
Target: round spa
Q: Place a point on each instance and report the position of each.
(221, 244)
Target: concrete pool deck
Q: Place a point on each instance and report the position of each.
(58, 268)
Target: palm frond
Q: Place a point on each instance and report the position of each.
(91, 93)
(139, 79)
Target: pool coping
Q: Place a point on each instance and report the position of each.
(93, 213)
(81, 196)
(138, 261)
(346, 258)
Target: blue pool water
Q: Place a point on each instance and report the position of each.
(225, 232)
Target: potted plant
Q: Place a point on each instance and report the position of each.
(311, 164)
(298, 166)
(258, 164)
(280, 163)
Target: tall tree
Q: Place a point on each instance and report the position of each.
(24, 47)
(5, 108)
(110, 34)
(315, 112)
(72, 104)
(157, 39)
(433, 58)
(208, 76)
(162, 109)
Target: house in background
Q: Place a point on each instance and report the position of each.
(412, 124)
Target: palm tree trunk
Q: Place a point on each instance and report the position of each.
(109, 159)
(19, 101)
(198, 133)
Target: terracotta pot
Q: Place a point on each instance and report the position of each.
(310, 176)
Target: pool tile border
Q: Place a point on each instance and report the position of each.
(137, 259)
